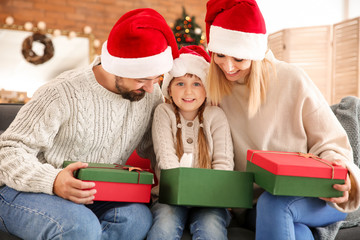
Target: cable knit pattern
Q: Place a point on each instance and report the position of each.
(72, 118)
(217, 132)
(295, 118)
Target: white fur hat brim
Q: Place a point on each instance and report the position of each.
(241, 45)
(137, 67)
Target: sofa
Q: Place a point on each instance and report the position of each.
(235, 230)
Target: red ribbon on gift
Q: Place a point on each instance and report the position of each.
(121, 167)
(305, 155)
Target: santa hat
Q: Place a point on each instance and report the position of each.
(236, 28)
(193, 59)
(140, 44)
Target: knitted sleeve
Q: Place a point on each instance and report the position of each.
(223, 155)
(163, 127)
(31, 132)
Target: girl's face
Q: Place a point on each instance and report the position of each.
(233, 68)
(188, 93)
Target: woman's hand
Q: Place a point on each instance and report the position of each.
(345, 188)
(75, 190)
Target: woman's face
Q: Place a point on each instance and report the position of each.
(233, 68)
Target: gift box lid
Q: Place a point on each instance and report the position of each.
(296, 164)
(112, 173)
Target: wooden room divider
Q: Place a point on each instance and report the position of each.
(328, 54)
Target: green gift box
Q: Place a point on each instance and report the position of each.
(112, 173)
(206, 188)
(114, 182)
(295, 174)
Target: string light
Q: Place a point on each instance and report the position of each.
(9, 20)
(72, 34)
(97, 43)
(28, 26)
(87, 29)
(56, 32)
(197, 31)
(41, 26)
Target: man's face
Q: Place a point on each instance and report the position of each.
(134, 89)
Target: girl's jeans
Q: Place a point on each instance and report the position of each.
(280, 217)
(204, 223)
(43, 216)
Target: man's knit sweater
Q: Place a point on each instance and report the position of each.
(72, 118)
(216, 130)
(294, 118)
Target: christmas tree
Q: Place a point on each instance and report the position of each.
(188, 32)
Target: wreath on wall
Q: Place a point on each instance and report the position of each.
(30, 55)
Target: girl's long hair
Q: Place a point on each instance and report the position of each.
(257, 82)
(203, 155)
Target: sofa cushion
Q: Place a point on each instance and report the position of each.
(8, 113)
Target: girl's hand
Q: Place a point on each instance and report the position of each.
(345, 188)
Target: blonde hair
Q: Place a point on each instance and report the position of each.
(257, 82)
(203, 148)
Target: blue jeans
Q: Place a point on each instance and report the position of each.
(204, 223)
(43, 216)
(281, 217)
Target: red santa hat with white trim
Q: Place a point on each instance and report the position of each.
(193, 59)
(236, 28)
(140, 44)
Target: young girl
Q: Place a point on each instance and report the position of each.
(273, 105)
(188, 133)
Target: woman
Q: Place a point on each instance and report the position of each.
(273, 105)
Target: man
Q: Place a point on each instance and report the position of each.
(95, 114)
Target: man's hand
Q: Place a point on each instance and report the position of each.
(75, 190)
(345, 188)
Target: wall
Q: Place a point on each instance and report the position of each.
(100, 15)
(280, 14)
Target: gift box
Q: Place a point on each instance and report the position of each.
(295, 174)
(114, 182)
(206, 188)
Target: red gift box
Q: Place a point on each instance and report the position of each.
(296, 164)
(122, 192)
(117, 183)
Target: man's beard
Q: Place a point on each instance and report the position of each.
(130, 95)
